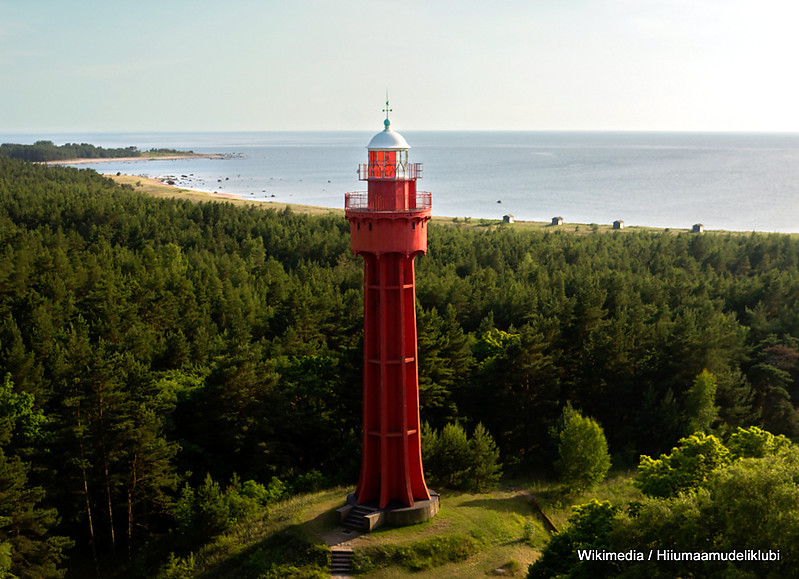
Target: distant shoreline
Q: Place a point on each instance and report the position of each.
(144, 157)
(157, 188)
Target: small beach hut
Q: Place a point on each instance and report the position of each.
(557, 221)
(507, 219)
(618, 224)
(697, 228)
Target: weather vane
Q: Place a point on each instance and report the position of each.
(387, 110)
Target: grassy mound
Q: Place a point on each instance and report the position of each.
(472, 535)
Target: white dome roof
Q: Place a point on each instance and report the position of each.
(388, 140)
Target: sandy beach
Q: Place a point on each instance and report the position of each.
(144, 157)
(157, 188)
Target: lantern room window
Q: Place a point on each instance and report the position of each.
(388, 164)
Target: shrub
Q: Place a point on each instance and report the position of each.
(511, 568)
(416, 556)
(207, 511)
(688, 466)
(583, 459)
(310, 481)
(750, 503)
(5, 559)
(534, 534)
(754, 442)
(178, 567)
(589, 529)
(288, 553)
(200, 514)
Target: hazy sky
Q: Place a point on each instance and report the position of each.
(183, 65)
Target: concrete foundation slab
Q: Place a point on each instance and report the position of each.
(396, 515)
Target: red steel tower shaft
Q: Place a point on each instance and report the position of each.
(388, 228)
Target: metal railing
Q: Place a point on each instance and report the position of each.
(359, 201)
(389, 171)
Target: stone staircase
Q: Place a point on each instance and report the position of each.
(356, 518)
(340, 562)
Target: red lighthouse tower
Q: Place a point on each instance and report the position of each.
(388, 228)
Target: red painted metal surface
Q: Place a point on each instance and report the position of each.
(388, 228)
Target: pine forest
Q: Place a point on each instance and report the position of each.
(160, 359)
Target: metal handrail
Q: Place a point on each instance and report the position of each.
(359, 201)
(399, 170)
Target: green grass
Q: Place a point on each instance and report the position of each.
(418, 555)
(251, 546)
(557, 503)
(472, 535)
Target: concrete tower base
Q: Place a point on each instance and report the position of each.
(368, 517)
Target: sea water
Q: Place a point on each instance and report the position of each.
(731, 181)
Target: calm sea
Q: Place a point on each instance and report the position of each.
(730, 181)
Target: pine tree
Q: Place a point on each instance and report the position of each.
(486, 470)
(700, 409)
(454, 455)
(444, 362)
(25, 547)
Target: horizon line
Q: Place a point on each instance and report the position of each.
(368, 130)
